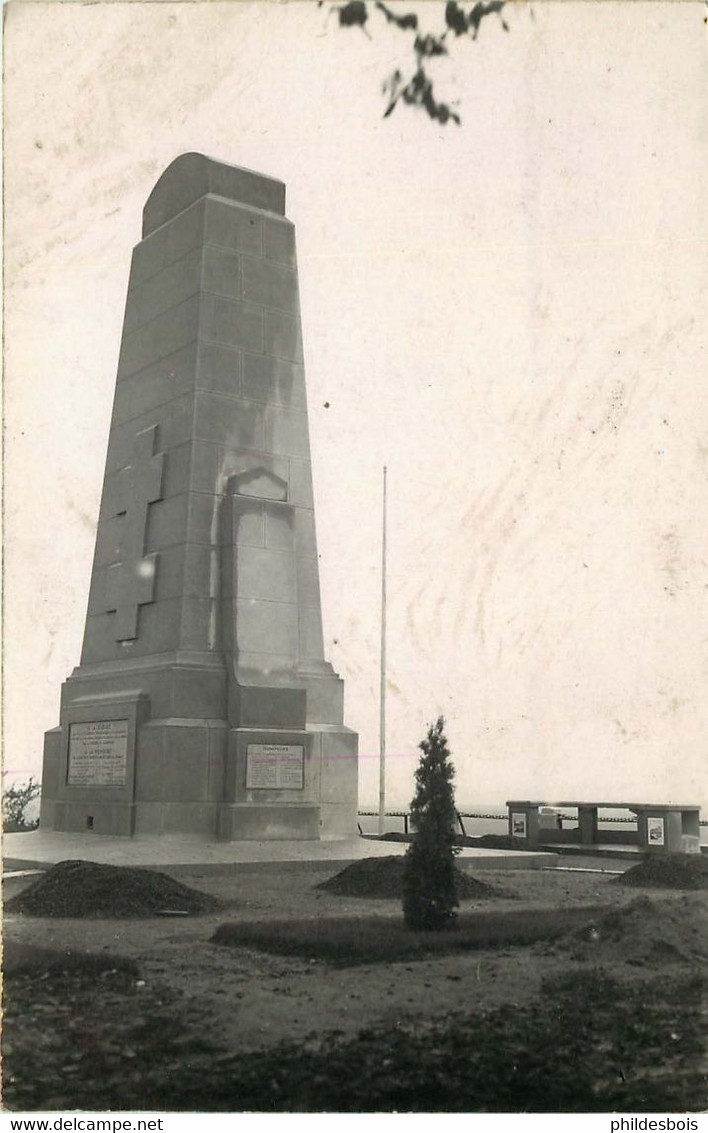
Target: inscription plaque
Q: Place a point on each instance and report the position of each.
(518, 825)
(275, 767)
(98, 753)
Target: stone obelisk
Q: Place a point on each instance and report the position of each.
(203, 703)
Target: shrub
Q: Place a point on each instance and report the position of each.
(15, 802)
(429, 895)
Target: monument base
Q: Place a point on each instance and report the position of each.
(290, 783)
(111, 769)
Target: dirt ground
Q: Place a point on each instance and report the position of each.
(234, 1000)
(286, 998)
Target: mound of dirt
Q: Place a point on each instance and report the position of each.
(86, 889)
(481, 841)
(383, 877)
(644, 932)
(669, 871)
(493, 842)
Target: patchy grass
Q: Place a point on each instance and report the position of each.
(588, 1043)
(371, 940)
(21, 958)
(80, 1038)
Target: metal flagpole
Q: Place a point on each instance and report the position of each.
(382, 691)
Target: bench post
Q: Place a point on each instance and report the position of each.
(587, 821)
(523, 822)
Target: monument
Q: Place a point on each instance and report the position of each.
(202, 703)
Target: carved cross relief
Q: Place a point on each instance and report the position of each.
(131, 582)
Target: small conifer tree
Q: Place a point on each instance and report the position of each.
(429, 897)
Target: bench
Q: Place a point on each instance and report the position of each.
(667, 828)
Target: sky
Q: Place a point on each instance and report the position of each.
(509, 314)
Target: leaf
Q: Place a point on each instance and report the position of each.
(426, 46)
(405, 23)
(455, 18)
(482, 9)
(353, 14)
